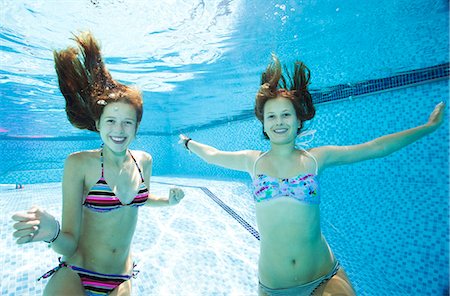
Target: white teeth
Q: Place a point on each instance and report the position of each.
(281, 130)
(118, 139)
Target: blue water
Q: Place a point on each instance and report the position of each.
(198, 66)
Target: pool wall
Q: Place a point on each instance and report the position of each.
(391, 214)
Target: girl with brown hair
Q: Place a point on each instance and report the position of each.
(102, 188)
(295, 258)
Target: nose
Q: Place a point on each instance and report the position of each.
(278, 120)
(119, 128)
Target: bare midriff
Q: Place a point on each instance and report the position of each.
(104, 244)
(293, 250)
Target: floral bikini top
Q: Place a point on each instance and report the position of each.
(303, 187)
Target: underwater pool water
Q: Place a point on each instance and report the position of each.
(377, 67)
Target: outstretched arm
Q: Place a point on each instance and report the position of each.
(379, 147)
(235, 160)
(175, 196)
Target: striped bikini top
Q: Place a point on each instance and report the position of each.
(101, 197)
(303, 187)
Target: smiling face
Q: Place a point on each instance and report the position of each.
(117, 126)
(280, 121)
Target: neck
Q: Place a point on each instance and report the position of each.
(118, 158)
(282, 150)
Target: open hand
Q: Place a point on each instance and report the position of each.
(437, 116)
(34, 225)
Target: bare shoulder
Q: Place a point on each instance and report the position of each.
(252, 157)
(82, 159)
(144, 160)
(142, 156)
(79, 158)
(253, 154)
(80, 166)
(328, 156)
(322, 151)
(321, 154)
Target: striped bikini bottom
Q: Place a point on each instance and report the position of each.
(94, 283)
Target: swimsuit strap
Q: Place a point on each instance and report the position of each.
(254, 165)
(312, 156)
(134, 271)
(52, 271)
(139, 169)
(103, 170)
(101, 160)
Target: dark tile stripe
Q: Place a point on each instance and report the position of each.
(223, 205)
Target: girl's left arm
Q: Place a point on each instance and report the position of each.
(380, 147)
(175, 194)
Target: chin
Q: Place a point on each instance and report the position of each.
(118, 147)
(282, 141)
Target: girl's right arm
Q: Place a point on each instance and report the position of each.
(73, 188)
(236, 160)
(37, 225)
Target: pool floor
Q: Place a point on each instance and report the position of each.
(206, 245)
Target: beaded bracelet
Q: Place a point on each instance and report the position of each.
(57, 233)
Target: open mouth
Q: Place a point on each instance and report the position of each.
(280, 130)
(118, 140)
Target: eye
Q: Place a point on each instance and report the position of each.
(286, 114)
(270, 116)
(110, 121)
(129, 122)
